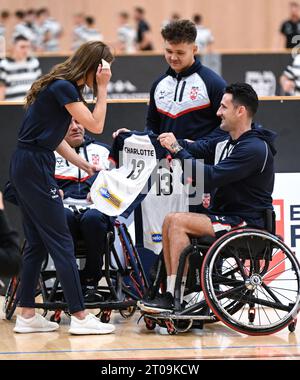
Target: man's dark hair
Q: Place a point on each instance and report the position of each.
(197, 18)
(244, 95)
(5, 14)
(180, 31)
(90, 20)
(20, 14)
(20, 37)
(124, 15)
(140, 10)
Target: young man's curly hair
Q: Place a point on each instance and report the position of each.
(181, 31)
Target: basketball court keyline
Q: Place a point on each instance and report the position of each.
(152, 349)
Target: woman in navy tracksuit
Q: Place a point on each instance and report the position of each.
(50, 104)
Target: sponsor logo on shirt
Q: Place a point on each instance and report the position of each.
(60, 163)
(156, 237)
(53, 192)
(109, 197)
(95, 159)
(194, 93)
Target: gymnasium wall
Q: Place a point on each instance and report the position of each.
(236, 24)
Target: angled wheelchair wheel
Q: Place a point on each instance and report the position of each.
(136, 275)
(10, 301)
(251, 282)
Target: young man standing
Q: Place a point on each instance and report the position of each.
(185, 99)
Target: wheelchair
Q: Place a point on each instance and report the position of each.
(249, 279)
(125, 278)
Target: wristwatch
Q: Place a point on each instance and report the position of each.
(176, 147)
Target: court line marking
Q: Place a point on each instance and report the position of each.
(149, 349)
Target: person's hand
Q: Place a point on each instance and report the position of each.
(89, 198)
(61, 193)
(288, 86)
(115, 134)
(93, 169)
(1, 201)
(103, 76)
(166, 140)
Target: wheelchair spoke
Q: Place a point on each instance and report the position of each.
(270, 299)
(276, 291)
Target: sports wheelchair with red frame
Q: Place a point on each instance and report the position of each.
(126, 282)
(249, 279)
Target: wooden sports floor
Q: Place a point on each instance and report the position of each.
(133, 341)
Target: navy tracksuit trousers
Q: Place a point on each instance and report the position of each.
(91, 226)
(45, 225)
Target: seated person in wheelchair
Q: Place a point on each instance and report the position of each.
(242, 179)
(85, 222)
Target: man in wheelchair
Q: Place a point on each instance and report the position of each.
(86, 224)
(241, 179)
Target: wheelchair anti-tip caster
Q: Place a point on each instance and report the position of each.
(150, 324)
(105, 316)
(56, 317)
(292, 325)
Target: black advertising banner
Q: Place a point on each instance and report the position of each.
(262, 71)
(132, 76)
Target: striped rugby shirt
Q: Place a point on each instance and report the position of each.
(18, 77)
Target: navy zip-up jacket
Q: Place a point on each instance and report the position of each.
(243, 175)
(73, 181)
(186, 103)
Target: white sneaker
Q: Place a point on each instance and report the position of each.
(35, 324)
(89, 325)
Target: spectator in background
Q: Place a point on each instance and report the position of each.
(204, 37)
(18, 72)
(90, 33)
(126, 35)
(290, 79)
(4, 17)
(50, 30)
(291, 27)
(78, 30)
(174, 17)
(22, 28)
(144, 39)
(10, 258)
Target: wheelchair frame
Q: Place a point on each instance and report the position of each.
(243, 283)
(118, 294)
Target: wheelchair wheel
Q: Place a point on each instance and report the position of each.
(251, 282)
(10, 302)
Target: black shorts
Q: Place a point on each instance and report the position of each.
(222, 224)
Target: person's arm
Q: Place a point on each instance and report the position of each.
(2, 91)
(153, 117)
(245, 160)
(93, 121)
(10, 258)
(70, 155)
(2, 84)
(287, 84)
(201, 148)
(146, 40)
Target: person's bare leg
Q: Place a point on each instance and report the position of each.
(166, 243)
(181, 227)
(27, 312)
